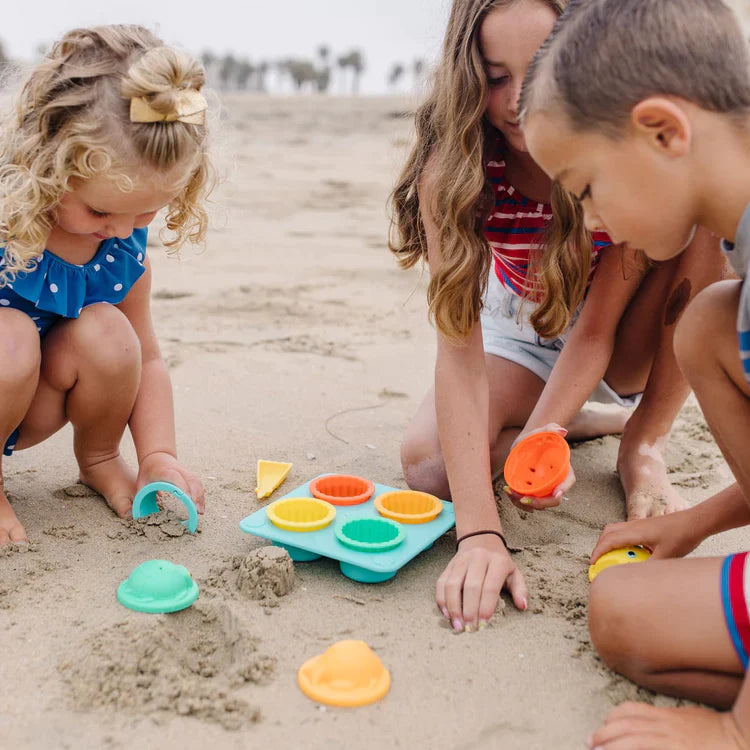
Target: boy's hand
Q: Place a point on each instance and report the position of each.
(163, 467)
(666, 536)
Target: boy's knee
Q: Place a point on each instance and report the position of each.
(608, 618)
(709, 317)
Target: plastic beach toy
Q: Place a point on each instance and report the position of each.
(618, 557)
(348, 673)
(408, 506)
(537, 464)
(300, 514)
(144, 503)
(158, 586)
(270, 475)
(342, 489)
(370, 534)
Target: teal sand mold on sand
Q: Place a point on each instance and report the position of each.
(157, 587)
(373, 535)
(363, 564)
(144, 503)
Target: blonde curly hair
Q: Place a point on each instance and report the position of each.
(72, 121)
(454, 135)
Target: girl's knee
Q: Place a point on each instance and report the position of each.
(20, 352)
(105, 338)
(423, 470)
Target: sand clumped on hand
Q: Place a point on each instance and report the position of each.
(190, 663)
(265, 574)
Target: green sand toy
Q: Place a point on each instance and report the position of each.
(144, 503)
(158, 586)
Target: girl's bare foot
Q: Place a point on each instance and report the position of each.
(592, 422)
(637, 725)
(113, 479)
(10, 527)
(647, 502)
(643, 474)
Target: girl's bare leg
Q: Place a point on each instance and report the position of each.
(644, 361)
(91, 369)
(20, 357)
(513, 392)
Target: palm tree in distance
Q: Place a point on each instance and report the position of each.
(394, 75)
(417, 70)
(323, 78)
(227, 70)
(355, 61)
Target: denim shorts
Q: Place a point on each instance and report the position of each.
(507, 333)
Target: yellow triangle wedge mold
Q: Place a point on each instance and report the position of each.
(270, 475)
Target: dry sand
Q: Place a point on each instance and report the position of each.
(295, 314)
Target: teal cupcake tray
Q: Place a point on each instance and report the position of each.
(369, 546)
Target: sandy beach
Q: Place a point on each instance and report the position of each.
(295, 337)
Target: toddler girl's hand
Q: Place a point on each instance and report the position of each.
(674, 535)
(163, 467)
(468, 590)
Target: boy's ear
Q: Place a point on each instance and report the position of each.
(664, 123)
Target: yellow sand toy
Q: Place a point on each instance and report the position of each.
(618, 557)
(270, 475)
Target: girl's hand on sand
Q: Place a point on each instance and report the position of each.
(638, 726)
(468, 590)
(666, 536)
(558, 494)
(163, 467)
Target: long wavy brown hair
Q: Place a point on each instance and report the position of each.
(453, 134)
(72, 122)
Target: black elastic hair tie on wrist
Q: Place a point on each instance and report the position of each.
(477, 533)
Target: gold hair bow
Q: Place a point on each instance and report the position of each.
(190, 107)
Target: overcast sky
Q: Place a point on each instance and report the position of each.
(386, 31)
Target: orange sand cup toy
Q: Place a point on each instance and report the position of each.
(342, 489)
(348, 673)
(538, 464)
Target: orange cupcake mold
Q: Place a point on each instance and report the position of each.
(538, 464)
(408, 506)
(342, 489)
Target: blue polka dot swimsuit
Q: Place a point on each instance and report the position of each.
(56, 289)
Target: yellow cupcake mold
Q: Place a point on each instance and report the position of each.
(408, 506)
(300, 513)
(348, 673)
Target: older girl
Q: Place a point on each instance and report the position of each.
(511, 263)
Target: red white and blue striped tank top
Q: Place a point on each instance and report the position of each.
(516, 227)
